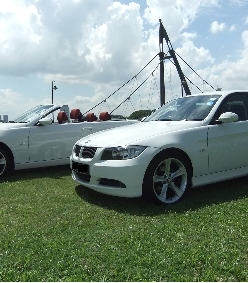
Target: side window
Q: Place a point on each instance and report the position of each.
(236, 103)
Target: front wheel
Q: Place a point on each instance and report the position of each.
(5, 162)
(167, 178)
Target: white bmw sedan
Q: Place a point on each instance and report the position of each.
(190, 141)
(34, 139)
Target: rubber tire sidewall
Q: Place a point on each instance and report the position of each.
(9, 162)
(147, 188)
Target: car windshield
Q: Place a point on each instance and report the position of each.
(189, 108)
(32, 114)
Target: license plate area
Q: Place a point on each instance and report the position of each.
(80, 168)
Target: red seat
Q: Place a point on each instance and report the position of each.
(90, 117)
(104, 116)
(62, 117)
(74, 114)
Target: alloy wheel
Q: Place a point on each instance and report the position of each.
(170, 180)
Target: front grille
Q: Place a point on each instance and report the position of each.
(84, 151)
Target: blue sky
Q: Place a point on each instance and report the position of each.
(92, 47)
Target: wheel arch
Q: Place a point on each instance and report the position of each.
(148, 191)
(9, 151)
(177, 152)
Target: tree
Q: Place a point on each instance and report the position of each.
(140, 114)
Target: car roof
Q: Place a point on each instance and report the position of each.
(222, 93)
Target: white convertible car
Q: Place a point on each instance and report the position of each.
(190, 141)
(34, 140)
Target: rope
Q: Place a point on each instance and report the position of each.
(195, 71)
(188, 79)
(136, 88)
(122, 85)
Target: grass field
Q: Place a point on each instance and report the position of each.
(52, 229)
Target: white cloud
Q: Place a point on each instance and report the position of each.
(117, 40)
(187, 36)
(11, 100)
(12, 103)
(82, 41)
(216, 27)
(196, 56)
(46, 37)
(177, 15)
(228, 74)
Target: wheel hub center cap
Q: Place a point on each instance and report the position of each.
(168, 179)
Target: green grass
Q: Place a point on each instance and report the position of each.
(52, 229)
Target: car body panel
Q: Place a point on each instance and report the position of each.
(16, 138)
(175, 134)
(145, 134)
(227, 146)
(216, 150)
(36, 145)
(54, 142)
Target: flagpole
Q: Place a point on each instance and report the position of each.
(161, 56)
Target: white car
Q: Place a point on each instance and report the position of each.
(190, 141)
(34, 140)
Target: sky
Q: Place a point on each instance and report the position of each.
(95, 49)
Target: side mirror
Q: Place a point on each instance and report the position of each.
(228, 117)
(45, 121)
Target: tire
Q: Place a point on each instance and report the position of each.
(167, 178)
(6, 163)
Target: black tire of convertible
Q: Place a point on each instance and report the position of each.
(6, 162)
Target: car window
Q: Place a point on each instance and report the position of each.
(235, 103)
(33, 114)
(187, 108)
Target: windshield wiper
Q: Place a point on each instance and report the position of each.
(163, 120)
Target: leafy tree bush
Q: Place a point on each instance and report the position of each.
(140, 114)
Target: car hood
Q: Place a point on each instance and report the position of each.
(136, 133)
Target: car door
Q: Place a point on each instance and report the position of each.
(17, 140)
(227, 142)
(53, 142)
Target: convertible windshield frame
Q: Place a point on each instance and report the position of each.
(188, 108)
(36, 113)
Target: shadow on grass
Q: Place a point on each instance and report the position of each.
(194, 198)
(54, 172)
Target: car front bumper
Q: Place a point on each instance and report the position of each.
(122, 178)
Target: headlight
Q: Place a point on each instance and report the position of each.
(122, 153)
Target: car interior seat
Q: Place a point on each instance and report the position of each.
(62, 117)
(104, 116)
(90, 117)
(76, 115)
